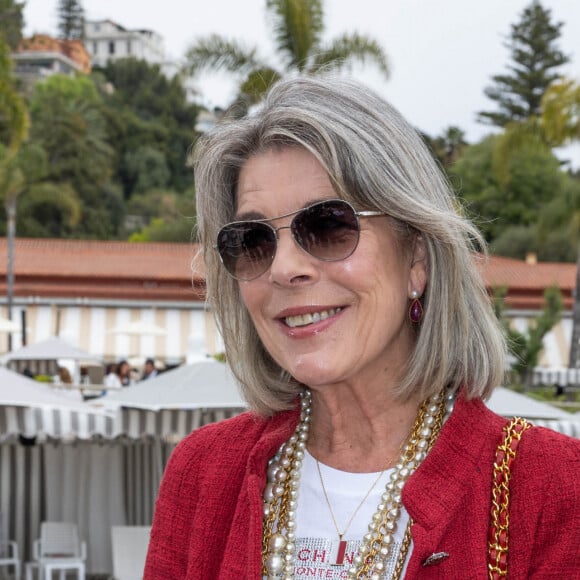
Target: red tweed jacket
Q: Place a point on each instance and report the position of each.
(208, 517)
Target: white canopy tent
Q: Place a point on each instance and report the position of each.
(29, 409)
(174, 403)
(139, 328)
(46, 355)
(508, 403)
(43, 477)
(53, 348)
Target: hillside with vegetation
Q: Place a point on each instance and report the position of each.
(105, 155)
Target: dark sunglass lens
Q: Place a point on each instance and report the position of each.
(247, 249)
(327, 230)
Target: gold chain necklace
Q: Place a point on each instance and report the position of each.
(339, 553)
(281, 493)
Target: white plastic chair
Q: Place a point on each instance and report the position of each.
(129, 545)
(9, 554)
(58, 549)
(9, 557)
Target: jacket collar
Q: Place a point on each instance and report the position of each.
(463, 451)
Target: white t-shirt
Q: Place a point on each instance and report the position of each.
(317, 546)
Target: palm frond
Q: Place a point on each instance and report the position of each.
(12, 180)
(257, 84)
(561, 112)
(297, 26)
(219, 54)
(517, 136)
(346, 49)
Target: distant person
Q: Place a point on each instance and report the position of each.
(64, 376)
(149, 370)
(85, 378)
(112, 379)
(28, 373)
(124, 373)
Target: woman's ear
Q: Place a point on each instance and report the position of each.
(419, 271)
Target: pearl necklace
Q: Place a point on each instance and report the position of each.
(281, 494)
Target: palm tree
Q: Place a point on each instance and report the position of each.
(297, 28)
(560, 123)
(15, 119)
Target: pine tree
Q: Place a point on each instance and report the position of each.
(536, 59)
(11, 22)
(71, 20)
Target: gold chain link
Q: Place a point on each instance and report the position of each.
(408, 455)
(402, 558)
(499, 525)
(279, 510)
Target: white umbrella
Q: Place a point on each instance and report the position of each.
(508, 403)
(31, 408)
(139, 328)
(7, 326)
(203, 385)
(177, 401)
(53, 348)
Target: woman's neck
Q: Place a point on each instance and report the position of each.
(357, 431)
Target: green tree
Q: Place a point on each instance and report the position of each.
(147, 169)
(68, 123)
(165, 216)
(535, 58)
(448, 147)
(498, 198)
(145, 109)
(14, 120)
(14, 124)
(561, 124)
(527, 346)
(11, 22)
(297, 27)
(49, 210)
(560, 118)
(71, 20)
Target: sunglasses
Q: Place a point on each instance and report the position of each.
(328, 230)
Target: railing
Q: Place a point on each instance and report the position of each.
(564, 378)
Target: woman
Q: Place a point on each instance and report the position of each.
(344, 284)
(124, 374)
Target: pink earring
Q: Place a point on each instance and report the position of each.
(416, 308)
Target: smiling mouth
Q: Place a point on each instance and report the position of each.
(310, 318)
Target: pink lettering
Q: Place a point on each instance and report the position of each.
(304, 554)
(319, 555)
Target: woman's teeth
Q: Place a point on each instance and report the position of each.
(310, 318)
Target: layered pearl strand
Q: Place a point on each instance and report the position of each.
(281, 494)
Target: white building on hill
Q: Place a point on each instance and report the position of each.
(107, 41)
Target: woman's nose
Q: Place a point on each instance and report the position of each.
(291, 263)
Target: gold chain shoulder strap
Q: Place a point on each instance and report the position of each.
(500, 497)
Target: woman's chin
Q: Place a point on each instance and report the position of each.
(314, 373)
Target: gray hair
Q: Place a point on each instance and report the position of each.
(377, 161)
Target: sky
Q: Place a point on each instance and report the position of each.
(443, 53)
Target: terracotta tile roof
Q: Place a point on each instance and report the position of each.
(97, 259)
(157, 271)
(117, 270)
(526, 282)
(73, 49)
(519, 274)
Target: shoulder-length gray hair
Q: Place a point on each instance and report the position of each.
(377, 161)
